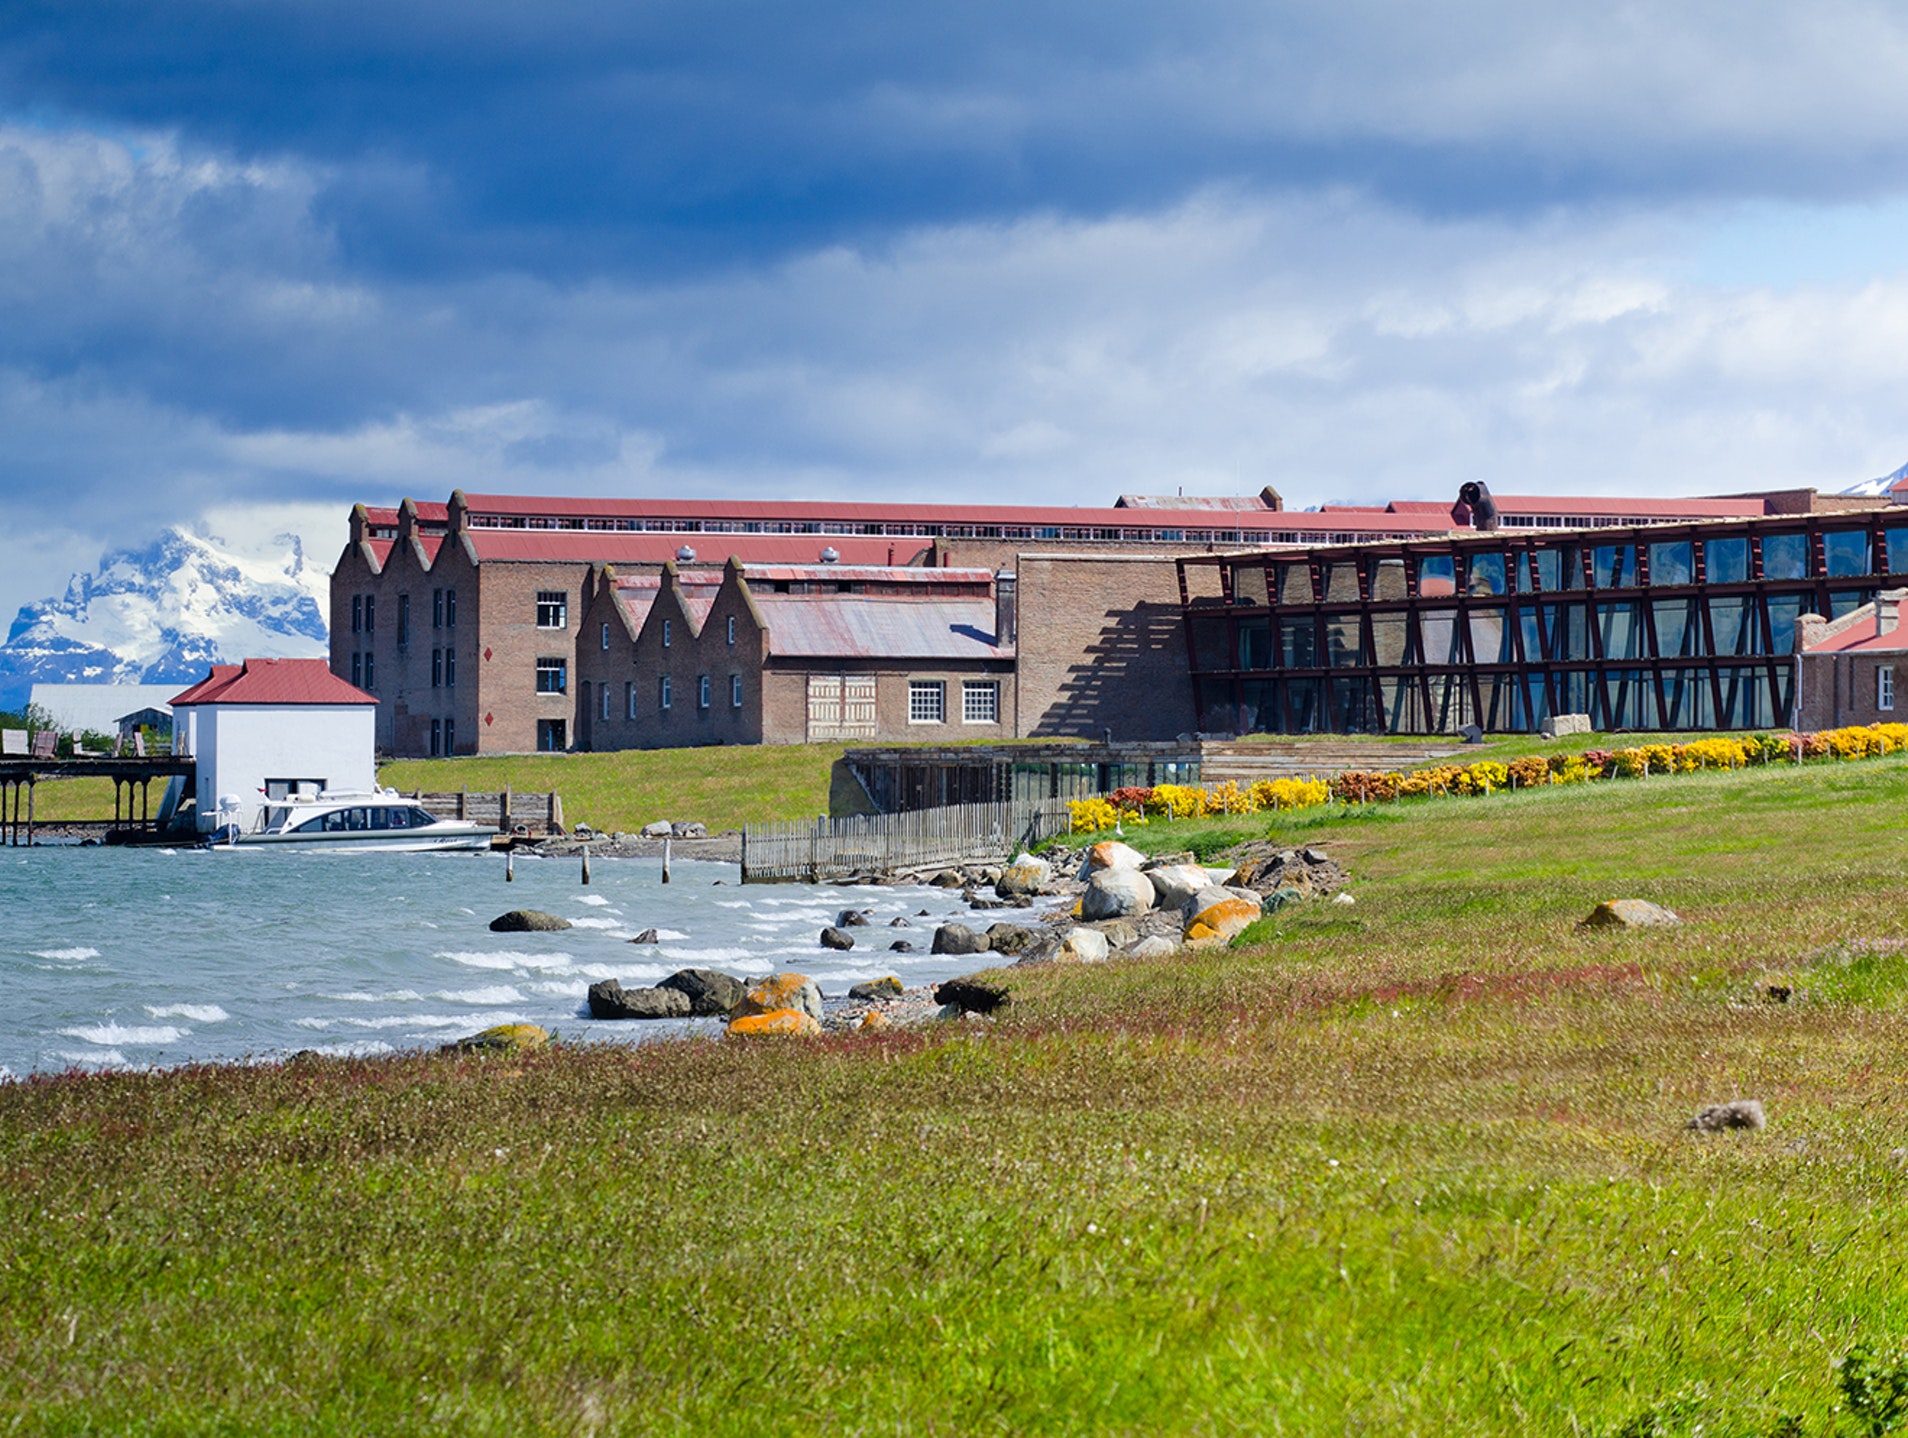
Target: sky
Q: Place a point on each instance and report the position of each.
(260, 259)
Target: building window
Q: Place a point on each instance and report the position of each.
(606, 701)
(552, 735)
(629, 698)
(437, 669)
(702, 691)
(731, 629)
(370, 674)
(553, 609)
(735, 691)
(437, 609)
(606, 637)
(1885, 687)
(370, 613)
(450, 736)
(357, 670)
(404, 619)
(980, 703)
(927, 701)
(450, 668)
(665, 633)
(552, 676)
(357, 614)
(437, 737)
(450, 608)
(665, 693)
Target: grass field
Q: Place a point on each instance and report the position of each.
(1416, 1166)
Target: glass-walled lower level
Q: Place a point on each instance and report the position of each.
(1641, 630)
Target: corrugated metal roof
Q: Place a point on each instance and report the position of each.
(867, 574)
(879, 627)
(602, 546)
(273, 681)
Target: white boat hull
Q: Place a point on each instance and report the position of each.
(472, 838)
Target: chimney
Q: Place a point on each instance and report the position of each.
(1888, 610)
(1810, 630)
(1006, 609)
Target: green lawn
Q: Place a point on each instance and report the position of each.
(1415, 1166)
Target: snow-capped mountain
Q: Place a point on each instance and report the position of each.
(161, 614)
(1874, 488)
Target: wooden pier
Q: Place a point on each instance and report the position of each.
(132, 776)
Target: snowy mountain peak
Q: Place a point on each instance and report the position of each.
(162, 614)
(1875, 488)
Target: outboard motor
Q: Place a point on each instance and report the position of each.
(1475, 496)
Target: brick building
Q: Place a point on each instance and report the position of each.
(790, 654)
(1847, 669)
(462, 617)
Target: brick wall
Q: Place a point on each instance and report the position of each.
(1101, 646)
(1842, 689)
(785, 703)
(507, 644)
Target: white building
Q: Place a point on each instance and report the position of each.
(271, 727)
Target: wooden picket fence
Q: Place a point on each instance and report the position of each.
(825, 850)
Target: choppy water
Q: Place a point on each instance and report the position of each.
(116, 957)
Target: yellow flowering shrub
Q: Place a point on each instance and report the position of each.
(1177, 801)
(1089, 816)
(1292, 793)
(1717, 753)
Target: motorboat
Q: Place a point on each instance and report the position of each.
(353, 821)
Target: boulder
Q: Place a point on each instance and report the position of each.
(1153, 946)
(852, 919)
(970, 996)
(710, 992)
(661, 829)
(502, 1039)
(1314, 857)
(1010, 939)
(947, 879)
(782, 991)
(1344, 901)
(834, 938)
(874, 1019)
(1170, 861)
(1118, 933)
(1204, 899)
(1027, 874)
(792, 1023)
(1743, 1113)
(1173, 884)
(647, 936)
(1622, 914)
(688, 829)
(958, 939)
(884, 988)
(1117, 894)
(1220, 921)
(1278, 899)
(900, 946)
(1112, 854)
(610, 1000)
(900, 921)
(1082, 946)
(527, 921)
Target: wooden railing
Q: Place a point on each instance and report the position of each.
(828, 849)
(539, 813)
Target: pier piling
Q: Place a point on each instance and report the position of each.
(586, 863)
(665, 861)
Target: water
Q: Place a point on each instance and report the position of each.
(132, 958)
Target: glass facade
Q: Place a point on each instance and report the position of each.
(1667, 627)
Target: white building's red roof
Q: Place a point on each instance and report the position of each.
(273, 681)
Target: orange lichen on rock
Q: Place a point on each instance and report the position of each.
(773, 994)
(1222, 920)
(776, 1021)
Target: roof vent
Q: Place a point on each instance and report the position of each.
(830, 555)
(686, 555)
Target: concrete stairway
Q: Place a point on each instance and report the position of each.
(1245, 761)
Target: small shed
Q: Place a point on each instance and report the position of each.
(271, 727)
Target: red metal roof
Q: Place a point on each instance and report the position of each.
(597, 546)
(880, 627)
(1862, 637)
(273, 681)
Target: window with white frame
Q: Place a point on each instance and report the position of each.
(553, 609)
(731, 629)
(735, 691)
(553, 676)
(980, 703)
(1885, 687)
(927, 701)
(702, 691)
(665, 693)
